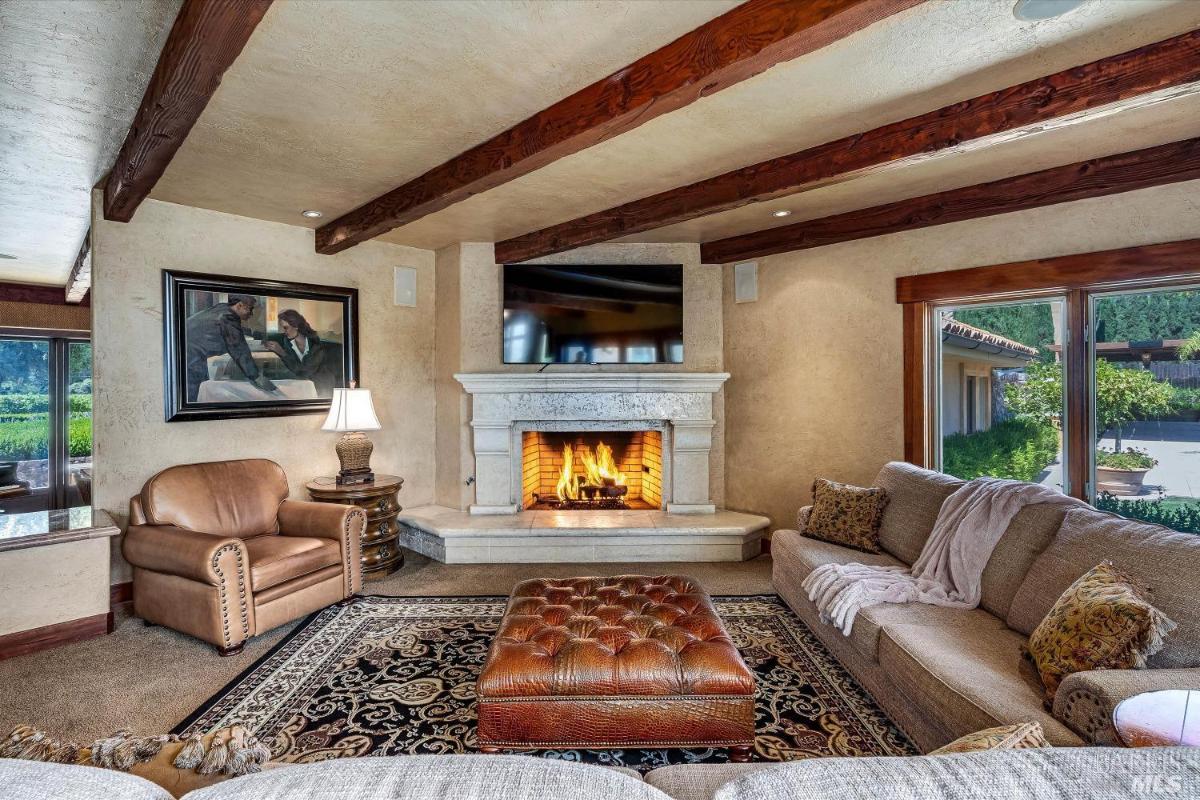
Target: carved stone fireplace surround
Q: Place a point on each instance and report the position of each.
(495, 530)
(507, 404)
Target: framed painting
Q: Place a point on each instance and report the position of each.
(244, 347)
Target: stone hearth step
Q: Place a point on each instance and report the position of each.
(544, 537)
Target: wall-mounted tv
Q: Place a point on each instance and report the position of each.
(619, 314)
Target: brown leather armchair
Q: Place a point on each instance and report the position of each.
(219, 552)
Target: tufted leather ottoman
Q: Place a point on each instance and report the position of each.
(630, 661)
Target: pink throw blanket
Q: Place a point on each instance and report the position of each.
(949, 570)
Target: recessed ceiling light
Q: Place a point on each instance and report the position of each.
(1033, 10)
(311, 213)
(8, 256)
(783, 212)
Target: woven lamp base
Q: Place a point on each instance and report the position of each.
(354, 453)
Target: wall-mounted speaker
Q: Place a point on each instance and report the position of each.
(745, 282)
(405, 286)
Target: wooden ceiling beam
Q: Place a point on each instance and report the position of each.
(79, 282)
(36, 293)
(1169, 263)
(1097, 177)
(1152, 74)
(205, 40)
(735, 46)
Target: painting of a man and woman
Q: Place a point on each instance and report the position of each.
(243, 347)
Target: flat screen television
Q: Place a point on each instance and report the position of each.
(619, 314)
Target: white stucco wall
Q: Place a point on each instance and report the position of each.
(132, 440)
(817, 362)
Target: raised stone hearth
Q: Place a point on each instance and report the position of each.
(539, 537)
(645, 439)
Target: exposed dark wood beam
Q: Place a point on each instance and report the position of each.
(1171, 262)
(1139, 77)
(736, 45)
(1141, 169)
(35, 293)
(79, 282)
(206, 38)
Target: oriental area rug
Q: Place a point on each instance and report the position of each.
(396, 675)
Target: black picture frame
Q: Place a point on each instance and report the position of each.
(176, 283)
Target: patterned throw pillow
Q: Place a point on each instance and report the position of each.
(1021, 736)
(846, 515)
(1102, 621)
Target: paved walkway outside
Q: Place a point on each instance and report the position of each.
(1176, 445)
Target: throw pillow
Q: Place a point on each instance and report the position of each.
(1102, 621)
(846, 515)
(1006, 737)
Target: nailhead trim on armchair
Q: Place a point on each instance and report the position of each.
(241, 579)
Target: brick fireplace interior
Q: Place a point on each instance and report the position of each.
(607, 470)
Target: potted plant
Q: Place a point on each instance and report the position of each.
(1122, 472)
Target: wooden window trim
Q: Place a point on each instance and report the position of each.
(1077, 277)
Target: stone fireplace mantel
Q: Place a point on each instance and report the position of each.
(508, 403)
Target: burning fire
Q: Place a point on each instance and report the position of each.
(599, 470)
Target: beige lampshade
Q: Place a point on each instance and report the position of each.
(351, 410)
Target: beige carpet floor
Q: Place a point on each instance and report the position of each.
(149, 679)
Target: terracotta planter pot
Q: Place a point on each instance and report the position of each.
(1121, 482)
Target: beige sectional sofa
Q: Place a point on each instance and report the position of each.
(1091, 773)
(941, 673)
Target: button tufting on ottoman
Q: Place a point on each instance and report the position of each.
(614, 662)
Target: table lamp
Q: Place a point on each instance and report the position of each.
(351, 413)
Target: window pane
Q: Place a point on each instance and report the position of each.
(24, 424)
(1146, 380)
(79, 424)
(1000, 391)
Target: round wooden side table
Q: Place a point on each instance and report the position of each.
(1168, 718)
(381, 553)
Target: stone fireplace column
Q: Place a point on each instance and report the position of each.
(691, 442)
(494, 490)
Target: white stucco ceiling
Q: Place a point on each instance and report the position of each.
(334, 102)
(303, 120)
(72, 73)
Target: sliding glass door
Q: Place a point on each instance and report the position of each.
(45, 422)
(1145, 399)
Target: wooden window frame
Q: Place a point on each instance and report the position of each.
(1076, 277)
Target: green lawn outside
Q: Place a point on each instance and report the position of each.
(1016, 448)
(28, 439)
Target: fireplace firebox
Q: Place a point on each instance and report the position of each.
(592, 470)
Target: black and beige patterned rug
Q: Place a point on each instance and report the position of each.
(396, 675)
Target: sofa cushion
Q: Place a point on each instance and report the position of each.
(915, 497)
(968, 678)
(1102, 621)
(807, 554)
(472, 777)
(846, 515)
(37, 780)
(1027, 537)
(224, 498)
(1166, 561)
(1096, 773)
(275, 559)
